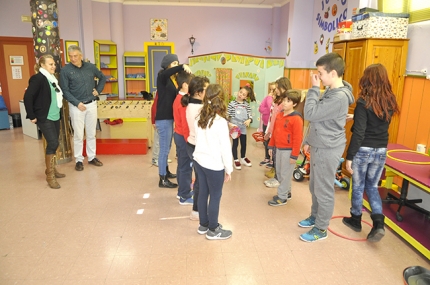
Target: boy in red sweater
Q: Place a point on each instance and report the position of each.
(286, 138)
(180, 136)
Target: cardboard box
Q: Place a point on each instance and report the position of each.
(380, 25)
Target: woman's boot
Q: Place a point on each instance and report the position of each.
(57, 174)
(378, 231)
(50, 171)
(353, 222)
(169, 174)
(165, 183)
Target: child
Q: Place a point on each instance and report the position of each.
(180, 135)
(264, 109)
(372, 115)
(286, 138)
(239, 113)
(212, 157)
(326, 139)
(282, 84)
(197, 90)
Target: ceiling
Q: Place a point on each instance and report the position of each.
(219, 3)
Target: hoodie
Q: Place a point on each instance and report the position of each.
(327, 116)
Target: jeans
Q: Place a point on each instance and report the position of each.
(210, 184)
(184, 172)
(155, 146)
(51, 132)
(84, 120)
(165, 134)
(367, 167)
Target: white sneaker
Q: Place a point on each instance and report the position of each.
(245, 161)
(236, 164)
(272, 183)
(194, 216)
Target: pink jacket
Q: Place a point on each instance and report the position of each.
(264, 109)
(274, 112)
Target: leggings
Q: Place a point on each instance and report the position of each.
(242, 139)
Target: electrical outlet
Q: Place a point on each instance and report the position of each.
(428, 77)
(424, 70)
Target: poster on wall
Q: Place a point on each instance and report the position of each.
(16, 72)
(158, 29)
(16, 60)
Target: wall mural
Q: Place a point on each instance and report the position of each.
(46, 38)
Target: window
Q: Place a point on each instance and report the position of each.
(419, 10)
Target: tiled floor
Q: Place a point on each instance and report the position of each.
(89, 232)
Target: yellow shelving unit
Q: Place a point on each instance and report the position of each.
(135, 71)
(105, 55)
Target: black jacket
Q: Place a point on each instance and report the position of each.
(167, 92)
(37, 98)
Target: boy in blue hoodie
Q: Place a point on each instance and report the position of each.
(326, 140)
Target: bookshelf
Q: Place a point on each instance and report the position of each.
(105, 55)
(134, 74)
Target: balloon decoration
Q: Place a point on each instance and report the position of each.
(46, 38)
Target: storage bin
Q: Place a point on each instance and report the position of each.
(16, 119)
(380, 25)
(4, 120)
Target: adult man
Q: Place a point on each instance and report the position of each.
(77, 82)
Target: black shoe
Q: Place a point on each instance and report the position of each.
(169, 174)
(95, 162)
(353, 222)
(79, 166)
(165, 183)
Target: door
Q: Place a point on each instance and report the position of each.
(155, 52)
(14, 75)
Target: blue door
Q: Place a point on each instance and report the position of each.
(155, 55)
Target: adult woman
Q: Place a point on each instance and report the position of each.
(43, 101)
(368, 148)
(167, 91)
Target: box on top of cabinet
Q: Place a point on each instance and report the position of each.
(380, 25)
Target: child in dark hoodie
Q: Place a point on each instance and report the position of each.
(326, 140)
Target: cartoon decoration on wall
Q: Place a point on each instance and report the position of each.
(268, 47)
(334, 10)
(321, 39)
(326, 14)
(158, 29)
(327, 45)
(223, 60)
(315, 47)
(289, 47)
(46, 38)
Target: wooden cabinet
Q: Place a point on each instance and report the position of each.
(360, 53)
(134, 74)
(107, 61)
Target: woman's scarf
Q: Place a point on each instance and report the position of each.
(54, 82)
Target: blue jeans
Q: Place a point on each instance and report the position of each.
(165, 134)
(367, 167)
(184, 172)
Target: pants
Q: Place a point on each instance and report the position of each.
(284, 171)
(367, 165)
(184, 171)
(84, 120)
(242, 139)
(51, 132)
(190, 151)
(155, 146)
(324, 163)
(165, 134)
(210, 183)
(266, 143)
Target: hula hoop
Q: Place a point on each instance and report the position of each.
(408, 161)
(345, 237)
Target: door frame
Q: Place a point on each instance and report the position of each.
(154, 67)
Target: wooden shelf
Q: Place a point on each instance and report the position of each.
(105, 53)
(134, 65)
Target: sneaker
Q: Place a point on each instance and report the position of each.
(79, 166)
(270, 173)
(270, 165)
(237, 164)
(277, 201)
(194, 216)
(218, 233)
(186, 201)
(155, 162)
(272, 183)
(288, 196)
(246, 161)
(203, 230)
(264, 162)
(307, 223)
(95, 162)
(191, 193)
(313, 235)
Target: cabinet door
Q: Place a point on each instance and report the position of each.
(340, 48)
(354, 65)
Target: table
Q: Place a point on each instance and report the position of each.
(402, 215)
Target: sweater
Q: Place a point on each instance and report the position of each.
(264, 109)
(213, 148)
(287, 133)
(192, 112)
(181, 125)
(368, 130)
(327, 116)
(167, 92)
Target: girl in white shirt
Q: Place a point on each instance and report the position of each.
(213, 161)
